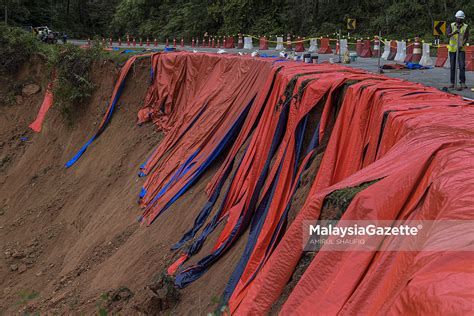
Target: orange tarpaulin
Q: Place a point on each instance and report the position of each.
(45, 106)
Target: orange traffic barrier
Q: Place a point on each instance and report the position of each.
(409, 55)
(359, 47)
(325, 48)
(288, 42)
(442, 56)
(229, 42)
(416, 51)
(366, 50)
(470, 58)
(299, 47)
(263, 43)
(393, 50)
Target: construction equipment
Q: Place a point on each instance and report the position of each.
(46, 35)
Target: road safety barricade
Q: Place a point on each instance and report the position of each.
(299, 47)
(240, 42)
(279, 45)
(417, 50)
(409, 52)
(313, 45)
(470, 58)
(442, 56)
(325, 48)
(343, 46)
(359, 47)
(229, 42)
(263, 43)
(386, 50)
(393, 50)
(376, 50)
(248, 42)
(366, 50)
(425, 58)
(401, 51)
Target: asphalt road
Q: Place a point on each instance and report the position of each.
(435, 77)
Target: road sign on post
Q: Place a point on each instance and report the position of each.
(439, 28)
(351, 24)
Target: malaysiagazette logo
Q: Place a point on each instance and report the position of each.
(388, 235)
(367, 230)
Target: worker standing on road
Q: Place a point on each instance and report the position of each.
(455, 30)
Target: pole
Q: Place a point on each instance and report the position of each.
(380, 46)
(339, 39)
(456, 63)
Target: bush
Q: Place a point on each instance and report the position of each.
(73, 86)
(16, 46)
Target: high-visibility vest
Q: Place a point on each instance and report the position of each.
(453, 41)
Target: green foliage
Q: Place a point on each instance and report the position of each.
(176, 18)
(342, 198)
(73, 85)
(16, 46)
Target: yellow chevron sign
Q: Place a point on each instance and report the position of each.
(439, 28)
(351, 24)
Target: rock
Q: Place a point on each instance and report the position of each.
(39, 273)
(30, 89)
(18, 99)
(18, 254)
(22, 268)
(14, 267)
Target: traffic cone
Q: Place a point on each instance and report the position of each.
(197, 41)
(155, 42)
(213, 42)
(209, 42)
(134, 42)
(182, 42)
(119, 41)
(141, 42)
(147, 42)
(416, 50)
(110, 42)
(193, 43)
(223, 42)
(338, 47)
(218, 43)
(89, 42)
(167, 43)
(174, 42)
(128, 40)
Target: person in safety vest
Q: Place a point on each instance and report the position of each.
(455, 30)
